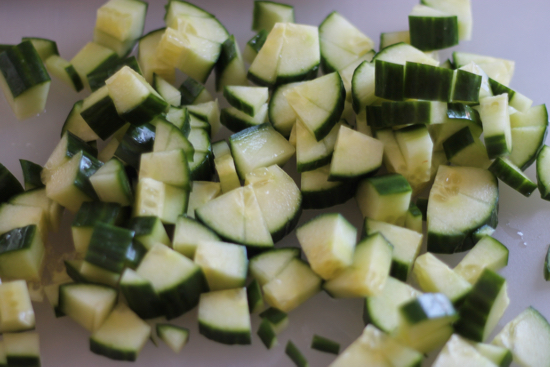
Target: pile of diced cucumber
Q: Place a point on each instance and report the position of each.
(168, 217)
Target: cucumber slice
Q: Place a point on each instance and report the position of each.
(384, 198)
(413, 219)
(458, 352)
(24, 80)
(318, 103)
(310, 153)
(500, 356)
(363, 84)
(31, 175)
(167, 91)
(135, 141)
(224, 264)
(341, 43)
(267, 13)
(263, 70)
(488, 253)
(201, 193)
(135, 100)
(22, 251)
(9, 185)
(176, 337)
(276, 318)
(140, 295)
(230, 69)
(246, 99)
(511, 175)
(328, 241)
(433, 275)
(91, 58)
(457, 206)
(406, 245)
(426, 322)
(254, 296)
(122, 21)
(515, 99)
(65, 71)
(22, 349)
(355, 155)
(99, 112)
(323, 344)
(496, 125)
(169, 137)
(465, 87)
(391, 38)
(418, 76)
(281, 215)
(236, 217)
(97, 78)
(463, 149)
(122, 336)
(76, 124)
(281, 114)
(382, 310)
(193, 92)
(148, 231)
(45, 47)
(236, 120)
(292, 286)
(319, 193)
(431, 29)
(400, 53)
(254, 45)
(267, 335)
(292, 351)
(70, 185)
(368, 272)
(462, 9)
(517, 336)
(87, 304)
(209, 112)
(188, 233)
(249, 155)
(389, 80)
(89, 214)
(224, 317)
(543, 172)
(483, 307)
(14, 216)
(176, 279)
(529, 130)
(15, 307)
(227, 173)
(148, 58)
(169, 167)
(111, 183)
(463, 58)
(267, 265)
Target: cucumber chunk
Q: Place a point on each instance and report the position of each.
(458, 352)
(295, 355)
(224, 264)
(511, 175)
(122, 335)
(462, 199)
(526, 337)
(543, 172)
(267, 265)
(176, 337)
(488, 253)
(267, 13)
(431, 29)
(16, 312)
(328, 241)
(22, 349)
(224, 317)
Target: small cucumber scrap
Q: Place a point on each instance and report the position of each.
(325, 345)
(295, 355)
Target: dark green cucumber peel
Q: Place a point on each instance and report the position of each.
(254, 295)
(427, 82)
(18, 239)
(96, 79)
(512, 176)
(22, 68)
(103, 118)
(9, 185)
(308, 74)
(466, 87)
(477, 305)
(458, 141)
(185, 296)
(433, 33)
(328, 198)
(258, 40)
(547, 265)
(93, 212)
(295, 355)
(228, 53)
(23, 361)
(325, 345)
(136, 141)
(543, 186)
(223, 336)
(496, 146)
(110, 247)
(461, 111)
(389, 80)
(111, 352)
(266, 334)
(142, 299)
(274, 316)
(190, 90)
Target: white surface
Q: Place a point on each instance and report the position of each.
(505, 29)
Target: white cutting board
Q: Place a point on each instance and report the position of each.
(506, 29)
